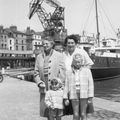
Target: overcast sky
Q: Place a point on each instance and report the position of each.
(77, 16)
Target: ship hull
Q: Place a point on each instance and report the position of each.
(105, 73)
(105, 68)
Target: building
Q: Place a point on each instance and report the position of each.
(19, 39)
(3, 38)
(13, 49)
(34, 41)
(109, 42)
(37, 41)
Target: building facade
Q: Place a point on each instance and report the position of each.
(3, 38)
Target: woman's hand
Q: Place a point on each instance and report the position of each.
(42, 85)
(66, 101)
(90, 100)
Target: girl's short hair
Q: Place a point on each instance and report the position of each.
(56, 81)
(73, 37)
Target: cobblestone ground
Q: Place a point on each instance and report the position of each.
(19, 100)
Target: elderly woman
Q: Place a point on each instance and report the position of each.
(49, 64)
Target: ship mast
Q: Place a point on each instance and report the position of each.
(97, 23)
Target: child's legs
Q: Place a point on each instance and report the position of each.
(51, 117)
(59, 114)
(83, 106)
(51, 114)
(58, 117)
(75, 106)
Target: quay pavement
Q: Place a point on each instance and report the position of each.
(19, 100)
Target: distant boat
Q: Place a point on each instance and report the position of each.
(106, 63)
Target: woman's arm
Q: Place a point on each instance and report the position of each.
(36, 72)
(66, 87)
(62, 74)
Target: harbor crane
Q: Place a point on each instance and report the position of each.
(53, 23)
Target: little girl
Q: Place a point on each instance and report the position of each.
(54, 99)
(79, 85)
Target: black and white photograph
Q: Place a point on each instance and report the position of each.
(59, 60)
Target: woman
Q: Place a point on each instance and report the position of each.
(71, 49)
(49, 64)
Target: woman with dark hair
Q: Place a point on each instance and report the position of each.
(70, 51)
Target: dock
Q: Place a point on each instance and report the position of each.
(19, 100)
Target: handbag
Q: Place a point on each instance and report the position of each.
(90, 108)
(68, 110)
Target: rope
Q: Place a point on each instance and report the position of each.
(88, 16)
(108, 18)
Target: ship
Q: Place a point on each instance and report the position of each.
(106, 63)
(106, 58)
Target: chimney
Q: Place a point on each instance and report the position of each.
(1, 28)
(28, 30)
(13, 28)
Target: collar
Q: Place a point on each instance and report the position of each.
(74, 70)
(67, 53)
(51, 52)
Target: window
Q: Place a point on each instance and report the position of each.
(10, 42)
(16, 41)
(5, 46)
(22, 47)
(10, 48)
(2, 45)
(16, 47)
(22, 41)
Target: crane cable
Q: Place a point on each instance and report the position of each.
(102, 21)
(88, 16)
(108, 19)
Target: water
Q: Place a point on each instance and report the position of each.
(108, 89)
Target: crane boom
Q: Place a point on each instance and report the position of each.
(53, 23)
(34, 6)
(53, 3)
